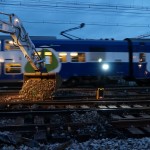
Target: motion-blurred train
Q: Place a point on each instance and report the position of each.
(80, 61)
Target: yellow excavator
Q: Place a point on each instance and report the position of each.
(20, 37)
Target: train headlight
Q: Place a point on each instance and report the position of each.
(105, 66)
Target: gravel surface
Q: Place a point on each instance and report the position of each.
(9, 141)
(103, 144)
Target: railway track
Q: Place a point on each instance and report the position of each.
(52, 119)
(61, 127)
(123, 93)
(77, 104)
(134, 125)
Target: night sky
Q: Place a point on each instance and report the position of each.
(103, 18)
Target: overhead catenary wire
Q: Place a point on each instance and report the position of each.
(106, 10)
(80, 6)
(58, 9)
(89, 23)
(74, 6)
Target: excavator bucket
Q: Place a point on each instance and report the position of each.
(39, 86)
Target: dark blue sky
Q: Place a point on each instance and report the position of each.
(103, 18)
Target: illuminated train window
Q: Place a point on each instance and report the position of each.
(39, 53)
(63, 56)
(12, 68)
(77, 57)
(9, 45)
(81, 57)
(48, 57)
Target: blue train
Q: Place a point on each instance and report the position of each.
(80, 61)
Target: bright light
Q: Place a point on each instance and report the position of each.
(16, 20)
(48, 53)
(39, 53)
(62, 54)
(105, 66)
(139, 65)
(100, 60)
(1, 60)
(11, 42)
(73, 54)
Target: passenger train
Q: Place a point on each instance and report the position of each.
(80, 61)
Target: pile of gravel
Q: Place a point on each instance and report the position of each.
(37, 89)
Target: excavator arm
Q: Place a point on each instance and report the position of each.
(38, 85)
(21, 38)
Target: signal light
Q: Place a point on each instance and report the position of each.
(100, 93)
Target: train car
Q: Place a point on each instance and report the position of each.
(80, 61)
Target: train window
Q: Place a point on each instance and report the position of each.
(77, 57)
(142, 57)
(9, 45)
(48, 57)
(74, 57)
(81, 57)
(63, 56)
(12, 68)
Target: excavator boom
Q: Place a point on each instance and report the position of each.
(36, 85)
(15, 28)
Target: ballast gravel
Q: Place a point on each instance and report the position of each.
(92, 144)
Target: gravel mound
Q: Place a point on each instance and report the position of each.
(37, 89)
